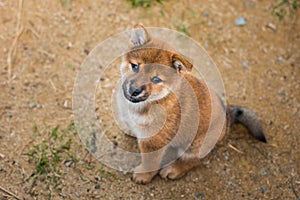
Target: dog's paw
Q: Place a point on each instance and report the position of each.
(142, 178)
(171, 172)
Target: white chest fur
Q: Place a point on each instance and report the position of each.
(134, 120)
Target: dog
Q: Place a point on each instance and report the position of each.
(176, 117)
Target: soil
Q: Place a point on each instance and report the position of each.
(259, 64)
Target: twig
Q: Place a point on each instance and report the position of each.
(52, 84)
(19, 31)
(34, 32)
(234, 148)
(10, 193)
(25, 146)
(293, 187)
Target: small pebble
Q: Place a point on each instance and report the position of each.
(271, 26)
(206, 45)
(69, 45)
(67, 22)
(68, 163)
(66, 103)
(240, 21)
(152, 188)
(230, 183)
(283, 78)
(200, 196)
(286, 127)
(205, 14)
(63, 195)
(245, 64)
(264, 172)
(279, 59)
(97, 186)
(214, 151)
(32, 105)
(280, 92)
(262, 190)
(97, 178)
(209, 23)
(226, 157)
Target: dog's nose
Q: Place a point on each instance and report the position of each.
(135, 91)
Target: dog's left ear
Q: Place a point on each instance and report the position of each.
(181, 64)
(139, 36)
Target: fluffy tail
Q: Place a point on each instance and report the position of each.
(248, 118)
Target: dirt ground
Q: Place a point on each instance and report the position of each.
(42, 157)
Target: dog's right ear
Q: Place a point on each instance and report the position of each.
(181, 63)
(139, 36)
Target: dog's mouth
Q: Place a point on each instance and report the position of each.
(135, 96)
(134, 99)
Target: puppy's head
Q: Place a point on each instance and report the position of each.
(151, 68)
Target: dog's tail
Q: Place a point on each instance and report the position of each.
(248, 118)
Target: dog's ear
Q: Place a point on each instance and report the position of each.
(139, 36)
(181, 64)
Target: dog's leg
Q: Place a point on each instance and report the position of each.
(150, 164)
(179, 168)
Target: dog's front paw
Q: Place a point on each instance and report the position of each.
(141, 177)
(171, 172)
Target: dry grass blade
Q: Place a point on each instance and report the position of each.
(9, 193)
(234, 148)
(19, 31)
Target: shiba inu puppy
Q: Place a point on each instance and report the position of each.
(176, 117)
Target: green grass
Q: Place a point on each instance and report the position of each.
(182, 28)
(70, 66)
(54, 155)
(65, 2)
(144, 3)
(106, 174)
(51, 148)
(285, 8)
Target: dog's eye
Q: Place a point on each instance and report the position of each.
(156, 80)
(135, 67)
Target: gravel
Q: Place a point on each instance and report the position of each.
(272, 26)
(226, 157)
(199, 196)
(262, 190)
(240, 21)
(97, 186)
(32, 105)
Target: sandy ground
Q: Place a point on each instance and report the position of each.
(36, 97)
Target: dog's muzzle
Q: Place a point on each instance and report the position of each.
(133, 93)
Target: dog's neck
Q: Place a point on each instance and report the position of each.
(139, 108)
